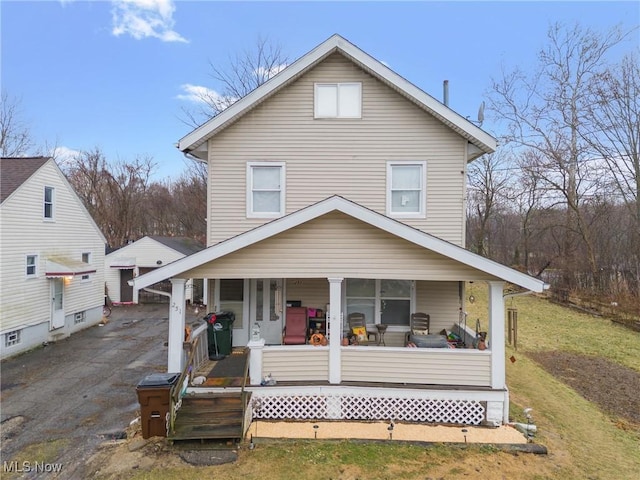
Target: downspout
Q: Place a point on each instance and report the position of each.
(157, 292)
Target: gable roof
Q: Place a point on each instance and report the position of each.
(341, 204)
(183, 245)
(475, 135)
(14, 171)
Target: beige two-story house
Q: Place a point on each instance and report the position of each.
(340, 186)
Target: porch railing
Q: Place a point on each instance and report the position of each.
(197, 352)
(200, 346)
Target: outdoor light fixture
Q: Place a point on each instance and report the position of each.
(315, 431)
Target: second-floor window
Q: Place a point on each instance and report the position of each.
(406, 189)
(265, 189)
(338, 100)
(48, 203)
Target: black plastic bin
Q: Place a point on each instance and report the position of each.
(154, 395)
(220, 333)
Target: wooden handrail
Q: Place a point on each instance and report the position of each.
(177, 387)
(243, 390)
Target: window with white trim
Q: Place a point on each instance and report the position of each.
(406, 195)
(12, 338)
(265, 189)
(381, 301)
(79, 317)
(48, 202)
(86, 258)
(338, 100)
(32, 266)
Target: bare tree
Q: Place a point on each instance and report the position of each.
(488, 184)
(15, 137)
(545, 111)
(242, 74)
(614, 113)
(115, 195)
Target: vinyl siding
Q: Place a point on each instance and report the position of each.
(346, 157)
(313, 292)
(386, 365)
(27, 301)
(336, 245)
(296, 363)
(416, 366)
(441, 301)
(146, 252)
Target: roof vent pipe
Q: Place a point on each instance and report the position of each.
(445, 92)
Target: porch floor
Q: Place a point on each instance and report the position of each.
(227, 372)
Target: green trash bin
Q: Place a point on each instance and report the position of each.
(220, 334)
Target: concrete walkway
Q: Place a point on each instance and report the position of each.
(77, 392)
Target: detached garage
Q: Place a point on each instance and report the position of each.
(141, 257)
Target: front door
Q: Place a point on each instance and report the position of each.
(266, 308)
(57, 303)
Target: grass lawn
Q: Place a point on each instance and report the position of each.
(583, 441)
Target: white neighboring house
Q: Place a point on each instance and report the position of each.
(51, 257)
(143, 256)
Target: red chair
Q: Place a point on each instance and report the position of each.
(295, 329)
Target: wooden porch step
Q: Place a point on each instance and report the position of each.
(209, 416)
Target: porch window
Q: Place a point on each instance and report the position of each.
(48, 203)
(265, 189)
(406, 189)
(338, 100)
(32, 266)
(390, 301)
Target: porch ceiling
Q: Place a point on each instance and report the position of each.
(337, 245)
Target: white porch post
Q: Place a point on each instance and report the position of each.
(176, 325)
(496, 335)
(335, 329)
(255, 361)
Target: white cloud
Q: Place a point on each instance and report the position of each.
(145, 18)
(64, 155)
(262, 72)
(203, 95)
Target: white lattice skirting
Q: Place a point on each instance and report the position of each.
(366, 407)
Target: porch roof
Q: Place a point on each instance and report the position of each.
(456, 262)
(59, 266)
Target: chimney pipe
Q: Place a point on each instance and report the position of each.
(445, 92)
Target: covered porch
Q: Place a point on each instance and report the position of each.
(325, 256)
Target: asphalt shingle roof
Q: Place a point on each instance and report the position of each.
(14, 171)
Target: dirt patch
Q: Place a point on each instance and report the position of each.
(613, 387)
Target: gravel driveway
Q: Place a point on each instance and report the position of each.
(68, 397)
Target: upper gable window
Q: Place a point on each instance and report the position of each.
(338, 100)
(406, 189)
(265, 189)
(48, 203)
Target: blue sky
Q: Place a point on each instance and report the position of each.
(113, 74)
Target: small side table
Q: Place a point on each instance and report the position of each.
(381, 329)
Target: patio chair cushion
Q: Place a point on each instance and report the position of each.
(429, 341)
(360, 333)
